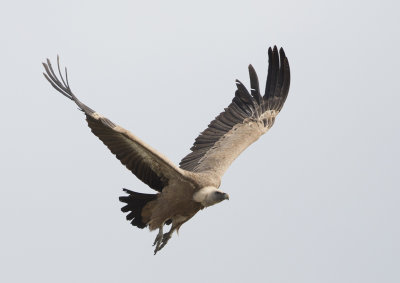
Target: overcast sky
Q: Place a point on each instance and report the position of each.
(314, 200)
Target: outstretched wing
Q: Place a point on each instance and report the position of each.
(146, 163)
(249, 116)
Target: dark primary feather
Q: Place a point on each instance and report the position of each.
(63, 87)
(245, 106)
(130, 152)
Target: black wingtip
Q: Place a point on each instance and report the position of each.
(241, 87)
(278, 79)
(282, 52)
(254, 85)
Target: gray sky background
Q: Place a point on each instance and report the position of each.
(314, 200)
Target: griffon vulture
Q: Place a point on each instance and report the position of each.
(183, 191)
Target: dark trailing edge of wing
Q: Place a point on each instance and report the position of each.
(245, 105)
(103, 129)
(120, 146)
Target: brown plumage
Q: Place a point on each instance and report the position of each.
(183, 191)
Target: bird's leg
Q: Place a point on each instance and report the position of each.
(158, 239)
(167, 236)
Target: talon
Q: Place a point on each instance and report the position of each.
(158, 240)
(165, 240)
(157, 247)
(162, 239)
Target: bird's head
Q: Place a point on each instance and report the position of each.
(208, 196)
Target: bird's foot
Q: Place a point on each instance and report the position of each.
(165, 239)
(162, 241)
(158, 240)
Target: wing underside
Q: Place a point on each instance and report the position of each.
(146, 163)
(248, 117)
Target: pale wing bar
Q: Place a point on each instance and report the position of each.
(245, 108)
(147, 164)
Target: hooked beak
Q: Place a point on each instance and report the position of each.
(226, 196)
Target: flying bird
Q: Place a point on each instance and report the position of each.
(183, 191)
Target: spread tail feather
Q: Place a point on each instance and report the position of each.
(135, 202)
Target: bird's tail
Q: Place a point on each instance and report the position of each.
(135, 202)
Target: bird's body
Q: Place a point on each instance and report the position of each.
(183, 191)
